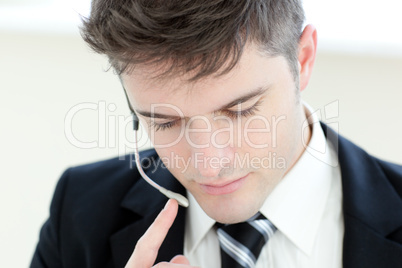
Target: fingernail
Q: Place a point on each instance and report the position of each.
(166, 205)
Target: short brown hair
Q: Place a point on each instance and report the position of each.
(204, 37)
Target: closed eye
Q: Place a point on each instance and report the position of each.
(164, 126)
(232, 114)
(243, 113)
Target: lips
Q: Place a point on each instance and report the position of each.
(223, 188)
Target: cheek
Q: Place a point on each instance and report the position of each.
(175, 163)
(257, 133)
(272, 144)
(176, 158)
(167, 139)
(267, 133)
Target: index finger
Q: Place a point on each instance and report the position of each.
(146, 249)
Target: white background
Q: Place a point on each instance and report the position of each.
(46, 70)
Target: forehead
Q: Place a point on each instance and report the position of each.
(203, 96)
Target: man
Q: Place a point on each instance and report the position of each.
(216, 85)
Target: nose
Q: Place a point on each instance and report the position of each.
(211, 150)
(210, 161)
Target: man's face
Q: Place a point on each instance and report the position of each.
(229, 140)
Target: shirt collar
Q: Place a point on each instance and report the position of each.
(297, 203)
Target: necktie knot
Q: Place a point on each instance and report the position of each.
(241, 243)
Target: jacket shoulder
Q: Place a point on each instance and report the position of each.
(107, 173)
(86, 211)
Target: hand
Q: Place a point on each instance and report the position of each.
(147, 247)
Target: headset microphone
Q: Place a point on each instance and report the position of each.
(169, 194)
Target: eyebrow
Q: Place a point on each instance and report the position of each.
(254, 93)
(257, 92)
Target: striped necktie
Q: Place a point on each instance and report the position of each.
(241, 243)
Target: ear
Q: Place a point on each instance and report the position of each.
(307, 52)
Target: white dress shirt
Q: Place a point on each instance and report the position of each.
(306, 207)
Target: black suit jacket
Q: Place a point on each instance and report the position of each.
(100, 210)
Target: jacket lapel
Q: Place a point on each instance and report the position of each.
(146, 203)
(372, 208)
(364, 247)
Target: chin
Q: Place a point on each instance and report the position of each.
(230, 212)
(233, 217)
